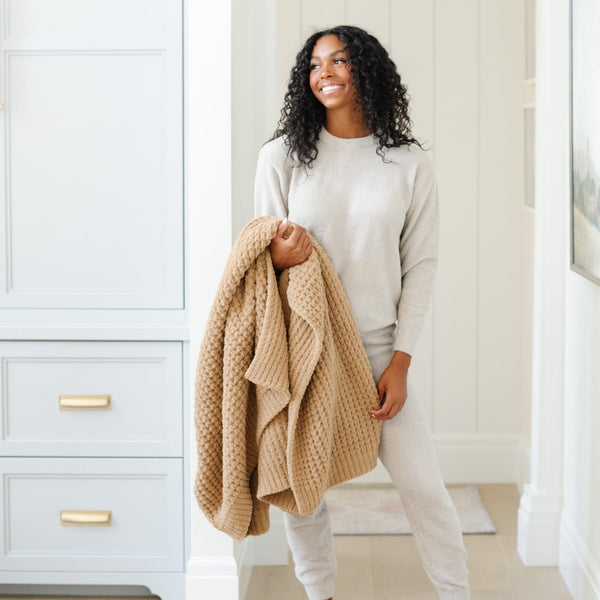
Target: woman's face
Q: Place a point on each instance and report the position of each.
(330, 74)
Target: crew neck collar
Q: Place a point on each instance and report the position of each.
(366, 140)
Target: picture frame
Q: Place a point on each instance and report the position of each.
(585, 138)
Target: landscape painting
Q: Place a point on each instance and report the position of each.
(585, 131)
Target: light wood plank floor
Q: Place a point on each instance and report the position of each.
(388, 567)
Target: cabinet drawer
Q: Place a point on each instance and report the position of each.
(140, 415)
(144, 497)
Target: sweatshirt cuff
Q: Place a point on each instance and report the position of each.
(405, 343)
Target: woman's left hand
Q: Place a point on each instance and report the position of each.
(393, 387)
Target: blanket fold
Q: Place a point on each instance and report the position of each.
(283, 389)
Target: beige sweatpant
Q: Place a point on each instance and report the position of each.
(407, 452)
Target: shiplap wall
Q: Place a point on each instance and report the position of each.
(463, 63)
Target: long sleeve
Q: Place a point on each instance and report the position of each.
(418, 258)
(271, 184)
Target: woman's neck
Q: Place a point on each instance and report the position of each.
(348, 125)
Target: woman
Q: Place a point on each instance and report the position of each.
(344, 166)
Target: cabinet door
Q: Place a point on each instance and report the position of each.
(91, 151)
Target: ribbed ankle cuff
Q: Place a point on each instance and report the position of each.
(323, 591)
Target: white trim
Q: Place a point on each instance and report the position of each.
(576, 563)
(538, 525)
(523, 467)
(467, 458)
(211, 569)
(539, 514)
(212, 577)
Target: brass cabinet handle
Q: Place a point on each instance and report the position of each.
(84, 402)
(85, 517)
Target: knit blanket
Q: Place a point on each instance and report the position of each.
(283, 389)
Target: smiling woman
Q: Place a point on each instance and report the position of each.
(343, 165)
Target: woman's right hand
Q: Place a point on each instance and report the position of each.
(292, 251)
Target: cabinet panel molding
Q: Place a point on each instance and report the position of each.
(93, 159)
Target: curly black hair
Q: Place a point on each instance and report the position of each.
(380, 94)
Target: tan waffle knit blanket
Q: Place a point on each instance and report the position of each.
(283, 389)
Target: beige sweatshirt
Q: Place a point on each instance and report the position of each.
(377, 220)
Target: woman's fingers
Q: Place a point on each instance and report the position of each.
(391, 407)
(300, 242)
(282, 228)
(290, 251)
(297, 235)
(307, 246)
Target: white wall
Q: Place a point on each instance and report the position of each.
(463, 63)
(580, 523)
(559, 517)
(580, 519)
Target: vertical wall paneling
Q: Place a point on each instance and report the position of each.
(265, 113)
(456, 143)
(411, 47)
(463, 64)
(287, 42)
(317, 14)
(373, 16)
(500, 214)
(254, 109)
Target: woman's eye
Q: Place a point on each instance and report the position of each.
(339, 60)
(313, 67)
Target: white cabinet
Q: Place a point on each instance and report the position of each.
(92, 298)
(92, 154)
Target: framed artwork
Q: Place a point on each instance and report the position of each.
(585, 138)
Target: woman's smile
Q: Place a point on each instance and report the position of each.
(331, 88)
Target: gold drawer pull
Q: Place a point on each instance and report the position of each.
(85, 517)
(84, 402)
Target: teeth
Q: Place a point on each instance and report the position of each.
(328, 88)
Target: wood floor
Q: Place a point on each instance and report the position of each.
(388, 567)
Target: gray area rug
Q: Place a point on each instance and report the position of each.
(364, 510)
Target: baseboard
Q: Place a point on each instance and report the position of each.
(467, 458)
(227, 577)
(538, 528)
(212, 577)
(577, 565)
